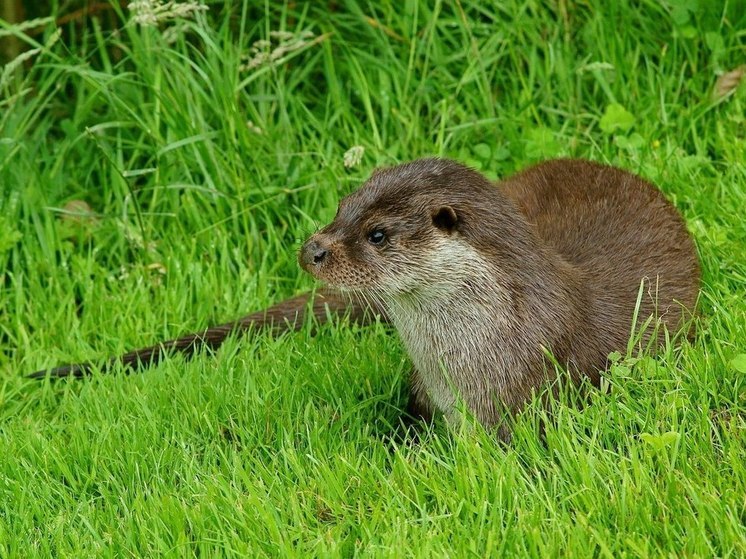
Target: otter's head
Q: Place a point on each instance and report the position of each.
(402, 227)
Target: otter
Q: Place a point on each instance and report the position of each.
(490, 286)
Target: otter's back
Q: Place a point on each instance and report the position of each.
(617, 230)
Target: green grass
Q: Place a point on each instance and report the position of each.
(278, 446)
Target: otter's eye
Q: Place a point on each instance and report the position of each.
(376, 237)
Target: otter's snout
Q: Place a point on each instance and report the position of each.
(312, 254)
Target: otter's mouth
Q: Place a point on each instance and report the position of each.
(328, 262)
(316, 258)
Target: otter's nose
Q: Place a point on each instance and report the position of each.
(312, 254)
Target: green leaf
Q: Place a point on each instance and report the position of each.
(483, 151)
(680, 16)
(738, 363)
(616, 117)
(659, 442)
(632, 142)
(686, 5)
(502, 153)
(715, 43)
(688, 32)
(620, 370)
(649, 367)
(541, 143)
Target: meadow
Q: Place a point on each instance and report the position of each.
(159, 171)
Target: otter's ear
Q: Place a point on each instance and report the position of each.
(445, 219)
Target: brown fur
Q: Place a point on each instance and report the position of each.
(480, 280)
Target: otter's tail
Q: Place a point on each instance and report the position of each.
(282, 317)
